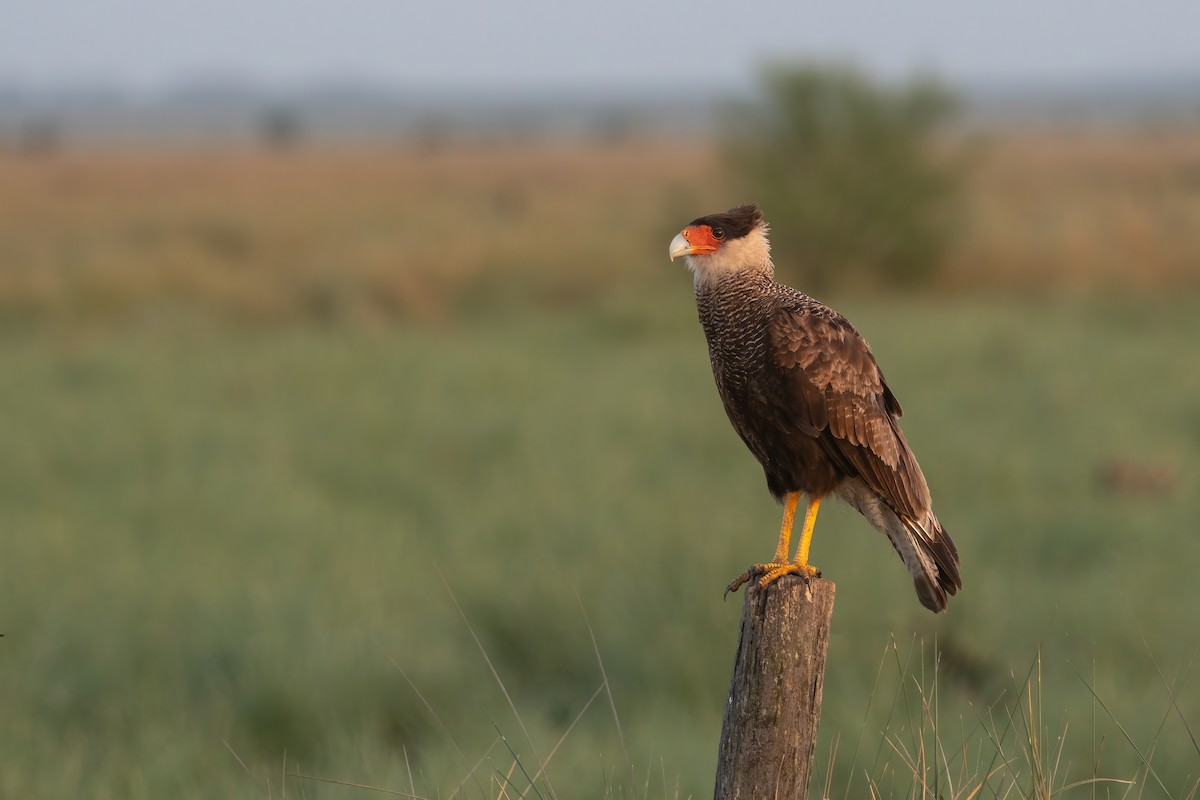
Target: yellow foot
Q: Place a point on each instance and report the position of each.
(769, 573)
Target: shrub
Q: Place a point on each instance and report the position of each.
(847, 171)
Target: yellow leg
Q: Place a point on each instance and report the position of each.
(785, 530)
(780, 566)
(810, 522)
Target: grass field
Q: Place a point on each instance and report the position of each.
(243, 521)
(374, 236)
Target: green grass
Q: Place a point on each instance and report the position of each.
(214, 535)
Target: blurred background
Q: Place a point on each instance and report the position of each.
(356, 426)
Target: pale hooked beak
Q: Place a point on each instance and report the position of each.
(680, 246)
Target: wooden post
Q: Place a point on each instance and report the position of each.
(769, 734)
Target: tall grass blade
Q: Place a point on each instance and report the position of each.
(1128, 739)
(441, 725)
(473, 772)
(265, 792)
(1170, 688)
(352, 785)
(517, 758)
(492, 667)
(567, 732)
(612, 703)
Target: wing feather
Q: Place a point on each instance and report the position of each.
(833, 386)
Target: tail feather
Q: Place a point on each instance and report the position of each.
(935, 574)
(923, 545)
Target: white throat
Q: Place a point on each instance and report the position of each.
(748, 254)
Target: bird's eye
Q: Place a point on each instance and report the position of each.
(718, 233)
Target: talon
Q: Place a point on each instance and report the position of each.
(777, 571)
(736, 583)
(769, 573)
(755, 571)
(780, 566)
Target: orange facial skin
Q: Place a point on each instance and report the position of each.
(701, 239)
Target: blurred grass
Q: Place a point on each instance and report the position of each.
(230, 534)
(1083, 213)
(252, 404)
(358, 236)
(374, 236)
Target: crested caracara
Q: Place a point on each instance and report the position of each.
(804, 392)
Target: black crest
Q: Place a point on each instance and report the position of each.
(736, 222)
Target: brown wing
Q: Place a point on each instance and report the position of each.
(835, 391)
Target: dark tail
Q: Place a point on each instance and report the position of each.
(933, 562)
(923, 545)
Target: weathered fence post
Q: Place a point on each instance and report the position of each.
(769, 734)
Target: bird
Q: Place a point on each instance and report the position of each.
(803, 391)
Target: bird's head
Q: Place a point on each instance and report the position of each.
(733, 241)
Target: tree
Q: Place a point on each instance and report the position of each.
(281, 127)
(847, 172)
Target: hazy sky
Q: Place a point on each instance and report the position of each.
(600, 43)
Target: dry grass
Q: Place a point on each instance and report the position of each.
(1084, 213)
(368, 235)
(324, 234)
